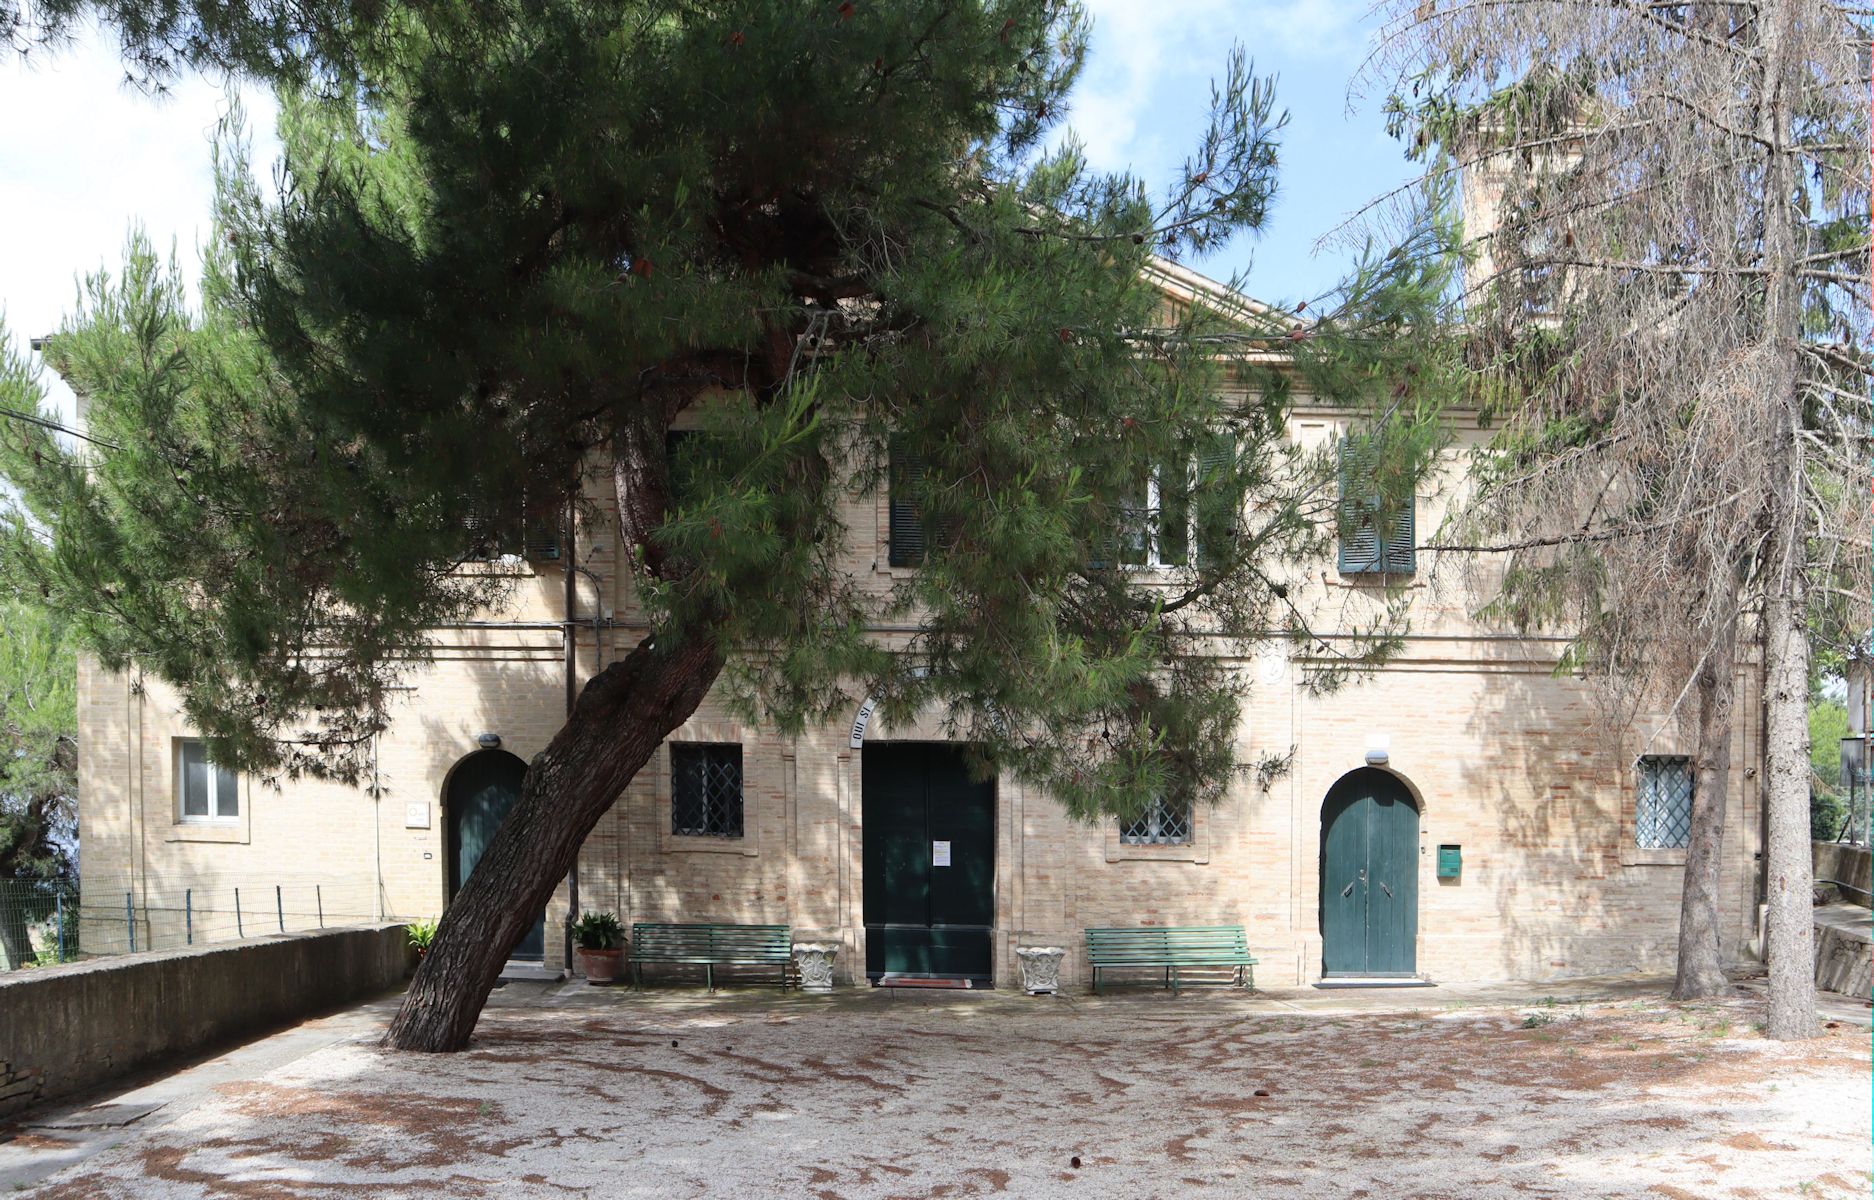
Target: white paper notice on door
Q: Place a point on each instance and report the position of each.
(940, 854)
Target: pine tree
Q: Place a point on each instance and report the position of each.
(515, 246)
(1669, 317)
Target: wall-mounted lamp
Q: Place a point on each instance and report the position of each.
(488, 741)
(1378, 749)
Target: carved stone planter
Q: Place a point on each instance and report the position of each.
(814, 961)
(1041, 969)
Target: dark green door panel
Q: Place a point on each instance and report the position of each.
(922, 917)
(482, 788)
(1392, 915)
(1369, 877)
(1343, 883)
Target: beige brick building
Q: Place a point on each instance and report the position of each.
(1563, 823)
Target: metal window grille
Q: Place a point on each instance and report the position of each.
(1664, 813)
(706, 791)
(1163, 822)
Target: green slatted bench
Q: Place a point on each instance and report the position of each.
(711, 946)
(1168, 949)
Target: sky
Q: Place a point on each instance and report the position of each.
(83, 156)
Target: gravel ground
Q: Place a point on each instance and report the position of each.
(581, 1093)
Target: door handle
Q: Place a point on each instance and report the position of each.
(1387, 890)
(1348, 890)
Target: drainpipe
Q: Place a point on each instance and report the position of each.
(569, 557)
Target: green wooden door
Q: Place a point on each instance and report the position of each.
(929, 836)
(482, 788)
(1369, 877)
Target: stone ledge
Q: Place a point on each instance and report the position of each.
(71, 1027)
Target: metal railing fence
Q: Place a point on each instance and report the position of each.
(43, 922)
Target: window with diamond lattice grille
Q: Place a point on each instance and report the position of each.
(1161, 823)
(1663, 818)
(706, 791)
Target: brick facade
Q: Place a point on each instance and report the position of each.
(1520, 767)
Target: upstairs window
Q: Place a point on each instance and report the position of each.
(1375, 538)
(205, 791)
(905, 535)
(706, 790)
(1163, 822)
(492, 537)
(908, 538)
(1183, 514)
(1663, 808)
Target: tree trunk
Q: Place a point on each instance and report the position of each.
(16, 943)
(1701, 953)
(1790, 878)
(621, 718)
(1790, 869)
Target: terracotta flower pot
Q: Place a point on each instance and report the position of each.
(600, 966)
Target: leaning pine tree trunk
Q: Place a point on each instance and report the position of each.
(1701, 956)
(621, 718)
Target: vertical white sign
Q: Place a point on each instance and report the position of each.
(940, 854)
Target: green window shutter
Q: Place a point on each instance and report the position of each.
(1359, 540)
(1399, 556)
(904, 476)
(1135, 517)
(1218, 500)
(1372, 543)
(542, 533)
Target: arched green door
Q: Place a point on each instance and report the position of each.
(1369, 877)
(482, 788)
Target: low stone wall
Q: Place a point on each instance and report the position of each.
(1853, 865)
(67, 1028)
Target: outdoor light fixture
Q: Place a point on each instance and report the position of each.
(1378, 749)
(488, 741)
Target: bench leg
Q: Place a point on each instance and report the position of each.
(1174, 981)
(637, 977)
(709, 976)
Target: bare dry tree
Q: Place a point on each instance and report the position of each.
(1666, 316)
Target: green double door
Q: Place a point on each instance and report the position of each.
(1369, 877)
(482, 788)
(930, 848)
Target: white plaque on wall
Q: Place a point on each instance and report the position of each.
(940, 854)
(416, 815)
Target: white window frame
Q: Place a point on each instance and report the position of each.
(1152, 515)
(226, 788)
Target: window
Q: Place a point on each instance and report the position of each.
(1163, 822)
(1663, 813)
(492, 537)
(907, 538)
(706, 790)
(1180, 506)
(205, 791)
(1373, 541)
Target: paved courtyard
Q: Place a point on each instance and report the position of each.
(571, 1091)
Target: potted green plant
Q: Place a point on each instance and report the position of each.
(601, 946)
(421, 934)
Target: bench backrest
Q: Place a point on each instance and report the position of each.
(1193, 944)
(711, 943)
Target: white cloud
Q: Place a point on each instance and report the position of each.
(83, 157)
